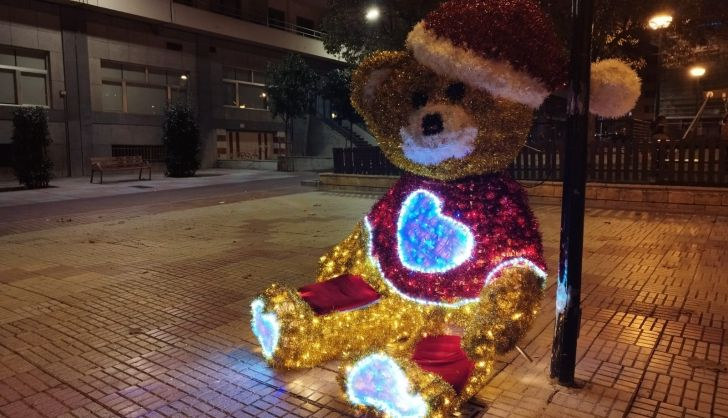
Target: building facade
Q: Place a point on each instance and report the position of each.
(106, 69)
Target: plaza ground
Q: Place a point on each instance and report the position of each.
(121, 301)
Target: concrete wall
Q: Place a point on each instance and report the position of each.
(323, 139)
(37, 28)
(77, 40)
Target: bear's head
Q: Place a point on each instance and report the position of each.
(459, 101)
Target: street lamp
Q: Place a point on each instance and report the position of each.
(658, 23)
(373, 14)
(661, 21)
(697, 71)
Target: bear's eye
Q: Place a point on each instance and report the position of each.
(419, 99)
(455, 92)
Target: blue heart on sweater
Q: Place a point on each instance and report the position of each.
(427, 240)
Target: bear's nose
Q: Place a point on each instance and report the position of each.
(432, 124)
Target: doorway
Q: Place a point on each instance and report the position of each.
(250, 145)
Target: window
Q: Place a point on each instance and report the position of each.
(244, 89)
(276, 18)
(129, 88)
(23, 77)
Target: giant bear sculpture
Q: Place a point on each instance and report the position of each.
(446, 271)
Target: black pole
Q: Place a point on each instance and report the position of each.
(658, 73)
(568, 312)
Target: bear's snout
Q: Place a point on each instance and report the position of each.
(432, 124)
(438, 132)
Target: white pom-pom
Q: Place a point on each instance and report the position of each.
(615, 88)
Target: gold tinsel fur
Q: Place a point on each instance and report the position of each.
(394, 325)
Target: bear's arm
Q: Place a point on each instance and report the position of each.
(506, 310)
(347, 257)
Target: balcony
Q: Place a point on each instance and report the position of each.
(257, 18)
(210, 16)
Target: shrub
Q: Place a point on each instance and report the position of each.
(31, 164)
(181, 139)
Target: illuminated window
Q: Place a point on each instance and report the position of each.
(23, 77)
(129, 88)
(244, 89)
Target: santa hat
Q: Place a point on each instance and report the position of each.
(509, 48)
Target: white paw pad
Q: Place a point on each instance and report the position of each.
(266, 328)
(378, 381)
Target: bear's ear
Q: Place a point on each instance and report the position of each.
(615, 88)
(369, 77)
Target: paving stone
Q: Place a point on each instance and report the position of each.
(144, 311)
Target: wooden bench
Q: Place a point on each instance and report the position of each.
(134, 162)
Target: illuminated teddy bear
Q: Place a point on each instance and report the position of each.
(447, 269)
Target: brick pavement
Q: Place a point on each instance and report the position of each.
(145, 313)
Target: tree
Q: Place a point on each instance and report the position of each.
(291, 88)
(336, 88)
(31, 164)
(181, 138)
(349, 34)
(620, 27)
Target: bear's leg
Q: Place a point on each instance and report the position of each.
(507, 308)
(294, 332)
(438, 373)
(427, 380)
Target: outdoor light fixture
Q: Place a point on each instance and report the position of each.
(333, 115)
(373, 13)
(657, 23)
(242, 106)
(263, 95)
(660, 21)
(697, 71)
(183, 77)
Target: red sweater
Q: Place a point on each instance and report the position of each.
(438, 242)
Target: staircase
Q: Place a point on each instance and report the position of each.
(356, 139)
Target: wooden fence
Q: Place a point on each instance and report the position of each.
(694, 162)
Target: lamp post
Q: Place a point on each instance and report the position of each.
(658, 23)
(568, 293)
(697, 72)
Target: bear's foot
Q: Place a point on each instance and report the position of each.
(412, 387)
(377, 382)
(279, 319)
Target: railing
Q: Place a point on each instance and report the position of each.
(696, 162)
(324, 111)
(260, 19)
(366, 160)
(151, 153)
